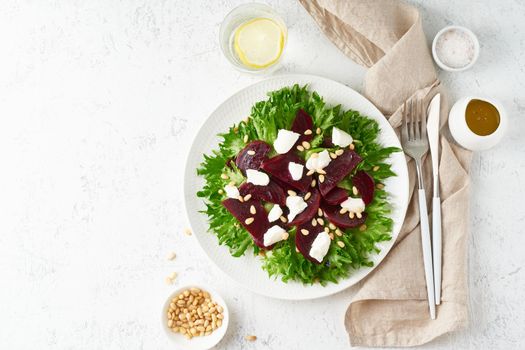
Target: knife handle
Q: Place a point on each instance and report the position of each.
(436, 246)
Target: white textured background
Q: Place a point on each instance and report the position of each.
(98, 103)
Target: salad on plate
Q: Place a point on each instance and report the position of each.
(300, 183)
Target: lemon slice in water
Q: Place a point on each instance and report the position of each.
(259, 42)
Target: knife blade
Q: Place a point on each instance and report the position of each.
(433, 139)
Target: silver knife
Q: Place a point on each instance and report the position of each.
(433, 138)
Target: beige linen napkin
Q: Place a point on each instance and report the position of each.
(390, 307)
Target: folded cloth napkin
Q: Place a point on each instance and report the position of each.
(390, 307)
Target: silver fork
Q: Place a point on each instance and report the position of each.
(415, 144)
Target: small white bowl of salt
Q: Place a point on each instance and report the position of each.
(455, 48)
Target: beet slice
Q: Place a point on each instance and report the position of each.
(338, 169)
(278, 168)
(336, 196)
(342, 220)
(327, 142)
(365, 185)
(311, 210)
(272, 192)
(246, 161)
(304, 243)
(241, 211)
(302, 122)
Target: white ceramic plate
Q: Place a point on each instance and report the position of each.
(247, 270)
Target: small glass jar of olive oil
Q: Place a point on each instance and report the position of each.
(477, 123)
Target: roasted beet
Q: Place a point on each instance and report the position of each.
(336, 196)
(304, 243)
(246, 161)
(302, 122)
(272, 192)
(365, 185)
(278, 168)
(310, 211)
(338, 169)
(327, 142)
(241, 211)
(342, 220)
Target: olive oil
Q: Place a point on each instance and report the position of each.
(482, 117)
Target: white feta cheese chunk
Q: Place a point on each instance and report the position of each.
(275, 213)
(320, 246)
(285, 140)
(257, 177)
(274, 234)
(296, 170)
(341, 138)
(354, 205)
(231, 191)
(296, 205)
(318, 161)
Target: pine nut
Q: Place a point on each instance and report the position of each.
(220, 191)
(351, 146)
(339, 152)
(283, 219)
(310, 172)
(351, 215)
(321, 178)
(320, 221)
(292, 193)
(252, 210)
(338, 232)
(376, 168)
(318, 131)
(341, 244)
(306, 144)
(245, 138)
(224, 177)
(251, 153)
(305, 232)
(308, 132)
(380, 186)
(343, 211)
(321, 171)
(300, 148)
(249, 221)
(333, 155)
(332, 226)
(320, 212)
(250, 338)
(331, 235)
(362, 228)
(307, 196)
(327, 230)
(314, 222)
(247, 197)
(354, 190)
(359, 215)
(314, 155)
(313, 183)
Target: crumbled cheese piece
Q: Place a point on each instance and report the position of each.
(341, 138)
(296, 205)
(296, 170)
(274, 234)
(285, 140)
(320, 246)
(231, 191)
(275, 213)
(354, 205)
(257, 177)
(318, 161)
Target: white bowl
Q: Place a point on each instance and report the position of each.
(470, 34)
(459, 129)
(196, 343)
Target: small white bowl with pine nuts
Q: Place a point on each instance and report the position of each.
(195, 317)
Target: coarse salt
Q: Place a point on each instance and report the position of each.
(455, 48)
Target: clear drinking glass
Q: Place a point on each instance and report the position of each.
(237, 17)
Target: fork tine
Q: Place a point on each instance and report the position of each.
(404, 128)
(424, 115)
(411, 129)
(416, 120)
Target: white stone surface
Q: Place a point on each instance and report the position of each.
(98, 103)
